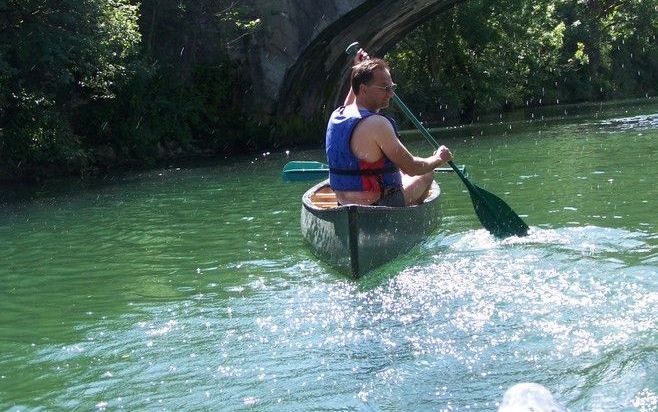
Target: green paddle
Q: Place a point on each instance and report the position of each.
(494, 214)
(303, 170)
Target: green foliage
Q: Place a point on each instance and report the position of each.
(35, 141)
(160, 115)
(186, 95)
(486, 56)
(479, 56)
(54, 58)
(88, 84)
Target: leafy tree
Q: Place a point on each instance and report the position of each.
(91, 83)
(185, 96)
(607, 44)
(94, 83)
(478, 56)
(55, 57)
(486, 55)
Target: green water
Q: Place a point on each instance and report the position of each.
(191, 288)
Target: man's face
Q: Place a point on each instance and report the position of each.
(379, 92)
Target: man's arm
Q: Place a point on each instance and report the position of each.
(349, 99)
(358, 58)
(379, 129)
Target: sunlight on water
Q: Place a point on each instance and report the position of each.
(449, 322)
(521, 307)
(644, 122)
(166, 292)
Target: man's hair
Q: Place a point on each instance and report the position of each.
(362, 73)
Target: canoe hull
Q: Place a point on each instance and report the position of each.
(356, 239)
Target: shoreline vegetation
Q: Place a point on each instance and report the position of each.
(91, 88)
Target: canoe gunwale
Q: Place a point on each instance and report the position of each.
(308, 203)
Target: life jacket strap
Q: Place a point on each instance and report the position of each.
(364, 172)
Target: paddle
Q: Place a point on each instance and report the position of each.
(494, 214)
(302, 170)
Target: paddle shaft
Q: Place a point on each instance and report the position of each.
(426, 134)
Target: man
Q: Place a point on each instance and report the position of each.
(368, 164)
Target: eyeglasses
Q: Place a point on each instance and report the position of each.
(388, 89)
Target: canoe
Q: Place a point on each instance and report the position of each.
(356, 239)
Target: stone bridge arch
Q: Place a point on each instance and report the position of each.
(297, 58)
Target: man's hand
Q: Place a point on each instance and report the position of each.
(360, 56)
(443, 154)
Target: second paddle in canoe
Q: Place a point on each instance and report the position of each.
(305, 170)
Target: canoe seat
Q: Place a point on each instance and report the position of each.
(324, 198)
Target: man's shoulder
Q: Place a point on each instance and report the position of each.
(377, 120)
(344, 112)
(376, 128)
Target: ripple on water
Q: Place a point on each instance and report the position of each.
(472, 316)
(641, 122)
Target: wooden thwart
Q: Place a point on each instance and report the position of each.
(324, 198)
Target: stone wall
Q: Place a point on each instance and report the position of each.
(296, 59)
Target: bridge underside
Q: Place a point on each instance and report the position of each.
(313, 86)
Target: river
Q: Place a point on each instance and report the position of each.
(190, 288)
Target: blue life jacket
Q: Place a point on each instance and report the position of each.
(346, 171)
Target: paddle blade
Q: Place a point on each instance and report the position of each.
(298, 170)
(496, 215)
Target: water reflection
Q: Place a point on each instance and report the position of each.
(470, 313)
(193, 290)
(642, 122)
